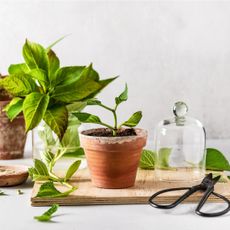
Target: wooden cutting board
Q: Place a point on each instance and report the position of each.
(145, 186)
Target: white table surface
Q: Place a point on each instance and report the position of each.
(17, 213)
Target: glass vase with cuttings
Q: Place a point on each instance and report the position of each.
(46, 144)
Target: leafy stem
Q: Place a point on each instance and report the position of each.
(90, 118)
(43, 170)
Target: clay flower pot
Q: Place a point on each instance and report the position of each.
(113, 161)
(12, 135)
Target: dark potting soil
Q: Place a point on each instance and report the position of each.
(103, 132)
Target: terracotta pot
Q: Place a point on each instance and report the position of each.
(12, 135)
(113, 161)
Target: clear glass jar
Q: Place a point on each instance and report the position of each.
(180, 145)
(44, 139)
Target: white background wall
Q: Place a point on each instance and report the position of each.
(165, 51)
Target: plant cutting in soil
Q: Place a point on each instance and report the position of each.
(110, 130)
(114, 143)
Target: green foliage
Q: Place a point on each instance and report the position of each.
(2, 193)
(133, 120)
(46, 216)
(48, 190)
(215, 160)
(44, 90)
(19, 85)
(34, 109)
(123, 96)
(90, 118)
(57, 118)
(14, 108)
(43, 171)
(72, 169)
(163, 158)
(147, 160)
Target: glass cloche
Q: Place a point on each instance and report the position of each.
(180, 145)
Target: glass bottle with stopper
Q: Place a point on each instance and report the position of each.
(180, 145)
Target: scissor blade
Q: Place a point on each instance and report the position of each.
(215, 180)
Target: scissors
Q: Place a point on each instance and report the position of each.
(206, 186)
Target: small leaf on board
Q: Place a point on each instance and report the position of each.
(34, 108)
(133, 120)
(40, 167)
(2, 193)
(48, 190)
(14, 108)
(147, 160)
(215, 160)
(123, 96)
(57, 119)
(46, 216)
(72, 169)
(87, 118)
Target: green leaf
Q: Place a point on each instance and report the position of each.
(103, 84)
(87, 118)
(133, 120)
(46, 135)
(123, 96)
(67, 75)
(54, 43)
(47, 157)
(76, 91)
(70, 139)
(40, 75)
(48, 190)
(35, 56)
(163, 157)
(215, 160)
(93, 101)
(34, 108)
(20, 192)
(14, 107)
(72, 169)
(90, 72)
(76, 106)
(46, 216)
(2, 193)
(39, 172)
(18, 68)
(18, 85)
(40, 167)
(57, 118)
(147, 160)
(77, 153)
(54, 65)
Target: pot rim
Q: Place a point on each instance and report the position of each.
(141, 133)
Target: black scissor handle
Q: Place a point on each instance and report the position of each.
(214, 214)
(190, 191)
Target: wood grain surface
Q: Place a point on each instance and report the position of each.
(145, 186)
